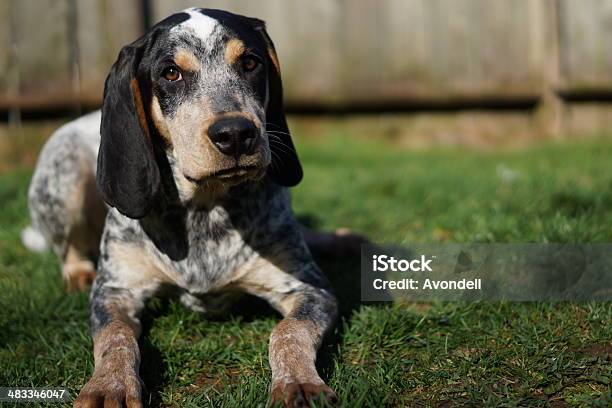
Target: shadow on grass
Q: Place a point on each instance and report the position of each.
(152, 370)
(344, 276)
(152, 367)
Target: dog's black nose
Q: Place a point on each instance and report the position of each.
(233, 136)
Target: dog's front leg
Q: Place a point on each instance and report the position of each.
(309, 311)
(115, 381)
(293, 350)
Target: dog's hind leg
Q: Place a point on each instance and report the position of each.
(83, 241)
(341, 242)
(66, 208)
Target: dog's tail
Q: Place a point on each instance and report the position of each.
(33, 239)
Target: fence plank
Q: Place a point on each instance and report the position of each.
(474, 47)
(586, 35)
(103, 28)
(4, 47)
(43, 51)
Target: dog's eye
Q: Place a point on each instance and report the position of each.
(172, 74)
(250, 63)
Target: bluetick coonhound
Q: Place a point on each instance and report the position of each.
(192, 155)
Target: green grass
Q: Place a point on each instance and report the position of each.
(492, 354)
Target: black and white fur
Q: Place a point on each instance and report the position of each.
(183, 217)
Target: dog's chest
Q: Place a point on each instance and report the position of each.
(217, 248)
(206, 249)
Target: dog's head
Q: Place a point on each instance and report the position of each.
(203, 88)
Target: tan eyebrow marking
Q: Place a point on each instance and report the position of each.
(186, 60)
(233, 50)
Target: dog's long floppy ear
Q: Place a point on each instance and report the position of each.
(286, 169)
(128, 176)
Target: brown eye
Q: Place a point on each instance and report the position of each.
(171, 74)
(249, 63)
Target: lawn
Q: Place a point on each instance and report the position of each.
(476, 354)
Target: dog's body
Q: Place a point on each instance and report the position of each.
(193, 157)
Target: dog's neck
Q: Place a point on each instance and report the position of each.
(168, 223)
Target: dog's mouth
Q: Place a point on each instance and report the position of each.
(233, 175)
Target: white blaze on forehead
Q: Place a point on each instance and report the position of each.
(200, 25)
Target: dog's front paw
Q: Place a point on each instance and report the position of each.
(111, 389)
(301, 395)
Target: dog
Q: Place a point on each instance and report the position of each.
(180, 186)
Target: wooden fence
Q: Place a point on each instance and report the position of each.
(335, 53)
